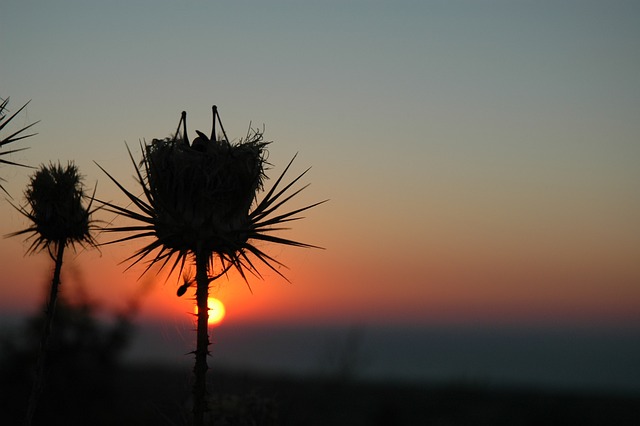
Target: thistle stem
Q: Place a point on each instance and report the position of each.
(39, 379)
(202, 344)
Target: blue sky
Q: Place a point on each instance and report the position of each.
(480, 156)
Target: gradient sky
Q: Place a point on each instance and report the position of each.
(481, 157)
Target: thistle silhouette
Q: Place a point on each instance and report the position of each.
(59, 219)
(197, 206)
(15, 136)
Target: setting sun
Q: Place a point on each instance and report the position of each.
(216, 311)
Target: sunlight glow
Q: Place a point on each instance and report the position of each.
(216, 311)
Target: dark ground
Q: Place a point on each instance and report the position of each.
(148, 395)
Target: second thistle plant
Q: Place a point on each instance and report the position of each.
(59, 218)
(197, 204)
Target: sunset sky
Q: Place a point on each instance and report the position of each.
(480, 157)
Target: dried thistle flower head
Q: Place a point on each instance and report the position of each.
(56, 209)
(201, 197)
(203, 192)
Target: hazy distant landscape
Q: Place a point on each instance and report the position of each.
(277, 375)
(603, 360)
(597, 360)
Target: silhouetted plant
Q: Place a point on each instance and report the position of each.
(197, 204)
(59, 219)
(15, 136)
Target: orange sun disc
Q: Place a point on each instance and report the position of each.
(216, 311)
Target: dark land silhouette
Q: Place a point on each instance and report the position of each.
(89, 382)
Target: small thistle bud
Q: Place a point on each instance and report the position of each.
(182, 290)
(186, 283)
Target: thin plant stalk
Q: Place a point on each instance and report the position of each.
(39, 379)
(202, 342)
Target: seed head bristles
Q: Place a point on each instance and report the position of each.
(200, 195)
(55, 206)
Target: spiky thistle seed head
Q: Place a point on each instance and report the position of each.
(55, 206)
(203, 196)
